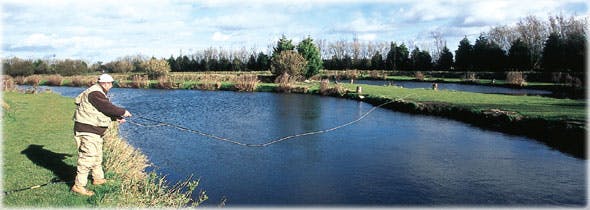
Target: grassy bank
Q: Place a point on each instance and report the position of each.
(543, 118)
(38, 147)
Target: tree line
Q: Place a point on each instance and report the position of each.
(558, 44)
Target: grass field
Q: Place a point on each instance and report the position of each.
(530, 106)
(38, 147)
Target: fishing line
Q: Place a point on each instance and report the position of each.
(158, 123)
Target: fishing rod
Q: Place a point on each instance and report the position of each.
(159, 123)
(53, 181)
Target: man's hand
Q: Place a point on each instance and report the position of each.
(121, 121)
(127, 114)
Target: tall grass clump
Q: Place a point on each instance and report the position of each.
(8, 84)
(469, 77)
(246, 83)
(54, 80)
(139, 81)
(286, 83)
(566, 79)
(138, 188)
(208, 82)
(166, 82)
(515, 78)
(33, 80)
(20, 80)
(81, 81)
(326, 90)
(419, 76)
(377, 74)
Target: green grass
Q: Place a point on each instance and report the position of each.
(40, 126)
(38, 146)
(530, 106)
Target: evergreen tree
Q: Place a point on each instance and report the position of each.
(283, 44)
(463, 55)
(262, 62)
(445, 60)
(311, 53)
(575, 52)
(553, 56)
(377, 61)
(519, 56)
(397, 58)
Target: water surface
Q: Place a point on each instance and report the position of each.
(386, 159)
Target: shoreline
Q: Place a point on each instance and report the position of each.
(565, 135)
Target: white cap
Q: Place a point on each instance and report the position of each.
(105, 78)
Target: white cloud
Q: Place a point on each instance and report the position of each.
(107, 28)
(367, 37)
(218, 36)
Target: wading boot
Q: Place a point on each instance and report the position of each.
(82, 191)
(98, 181)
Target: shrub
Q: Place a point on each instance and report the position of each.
(155, 68)
(246, 83)
(70, 67)
(18, 67)
(515, 78)
(289, 62)
(54, 80)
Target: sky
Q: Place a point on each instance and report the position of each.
(106, 30)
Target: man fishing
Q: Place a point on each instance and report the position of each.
(94, 113)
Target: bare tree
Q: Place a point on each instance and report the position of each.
(504, 36)
(439, 44)
(534, 33)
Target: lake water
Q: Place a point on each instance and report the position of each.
(387, 159)
(458, 87)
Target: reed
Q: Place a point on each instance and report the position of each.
(33, 80)
(139, 81)
(469, 77)
(20, 80)
(140, 189)
(247, 82)
(81, 81)
(286, 83)
(8, 84)
(377, 74)
(208, 82)
(515, 78)
(326, 90)
(54, 80)
(166, 82)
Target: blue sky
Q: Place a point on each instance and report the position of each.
(105, 30)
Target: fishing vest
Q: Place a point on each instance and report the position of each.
(88, 114)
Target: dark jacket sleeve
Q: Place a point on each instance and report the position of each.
(102, 104)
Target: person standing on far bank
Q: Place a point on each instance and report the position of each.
(94, 113)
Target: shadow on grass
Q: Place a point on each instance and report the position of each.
(51, 161)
